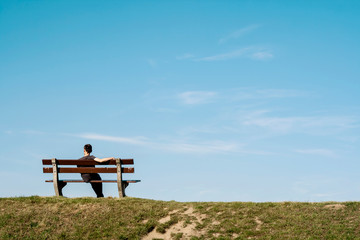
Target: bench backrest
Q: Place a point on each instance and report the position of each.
(69, 162)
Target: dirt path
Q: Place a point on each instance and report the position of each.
(186, 230)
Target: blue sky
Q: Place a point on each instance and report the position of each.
(215, 100)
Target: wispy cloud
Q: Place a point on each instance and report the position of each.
(250, 52)
(175, 145)
(316, 124)
(128, 140)
(196, 97)
(238, 33)
(258, 111)
(318, 151)
(254, 53)
(224, 56)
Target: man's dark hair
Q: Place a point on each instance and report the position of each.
(88, 148)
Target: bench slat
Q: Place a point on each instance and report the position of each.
(87, 170)
(86, 162)
(104, 181)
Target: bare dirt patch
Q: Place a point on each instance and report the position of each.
(335, 206)
(259, 223)
(186, 229)
(215, 222)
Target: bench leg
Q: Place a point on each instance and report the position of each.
(56, 188)
(119, 178)
(121, 190)
(58, 191)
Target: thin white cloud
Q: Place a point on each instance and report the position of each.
(196, 97)
(238, 33)
(325, 124)
(254, 53)
(224, 56)
(128, 140)
(272, 123)
(179, 146)
(318, 151)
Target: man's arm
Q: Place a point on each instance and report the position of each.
(103, 159)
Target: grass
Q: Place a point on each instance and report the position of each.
(132, 218)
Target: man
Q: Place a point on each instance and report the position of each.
(97, 187)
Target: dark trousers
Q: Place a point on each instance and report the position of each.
(97, 187)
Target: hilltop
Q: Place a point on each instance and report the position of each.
(133, 218)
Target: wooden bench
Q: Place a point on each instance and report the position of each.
(118, 169)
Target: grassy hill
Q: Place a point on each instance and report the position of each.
(133, 218)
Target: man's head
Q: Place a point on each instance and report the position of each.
(87, 149)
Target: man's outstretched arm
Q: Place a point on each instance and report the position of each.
(104, 159)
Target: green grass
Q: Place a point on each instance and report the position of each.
(133, 218)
